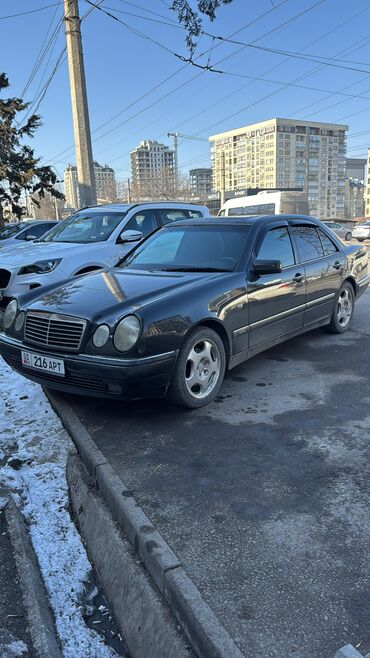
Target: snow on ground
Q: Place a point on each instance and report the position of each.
(33, 454)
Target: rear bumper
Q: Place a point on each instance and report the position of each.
(97, 376)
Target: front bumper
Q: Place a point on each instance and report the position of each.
(97, 376)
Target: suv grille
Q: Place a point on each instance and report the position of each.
(52, 330)
(4, 278)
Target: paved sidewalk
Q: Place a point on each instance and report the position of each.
(264, 495)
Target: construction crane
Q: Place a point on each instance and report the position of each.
(175, 144)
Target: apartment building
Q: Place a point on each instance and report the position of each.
(200, 181)
(105, 183)
(153, 171)
(285, 153)
(367, 197)
(71, 191)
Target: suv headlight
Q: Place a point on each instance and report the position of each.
(40, 267)
(10, 313)
(126, 333)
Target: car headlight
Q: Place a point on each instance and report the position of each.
(101, 335)
(126, 333)
(10, 313)
(40, 267)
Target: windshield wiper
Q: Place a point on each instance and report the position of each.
(193, 269)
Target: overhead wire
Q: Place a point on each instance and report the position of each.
(30, 11)
(34, 106)
(165, 80)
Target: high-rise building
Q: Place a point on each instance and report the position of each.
(105, 182)
(367, 198)
(355, 168)
(285, 153)
(200, 181)
(71, 191)
(153, 171)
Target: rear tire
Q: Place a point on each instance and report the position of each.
(199, 369)
(342, 315)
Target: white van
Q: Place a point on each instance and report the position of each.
(267, 203)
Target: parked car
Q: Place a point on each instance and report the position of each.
(14, 235)
(362, 231)
(193, 300)
(91, 239)
(342, 231)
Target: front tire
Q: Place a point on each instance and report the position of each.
(199, 369)
(342, 315)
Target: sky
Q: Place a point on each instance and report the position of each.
(139, 89)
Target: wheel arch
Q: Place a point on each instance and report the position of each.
(218, 327)
(352, 281)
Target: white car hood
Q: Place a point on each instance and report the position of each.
(30, 253)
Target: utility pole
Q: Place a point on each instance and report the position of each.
(175, 137)
(80, 112)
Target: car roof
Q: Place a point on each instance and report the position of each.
(242, 220)
(123, 207)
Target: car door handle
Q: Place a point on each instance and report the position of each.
(298, 278)
(337, 265)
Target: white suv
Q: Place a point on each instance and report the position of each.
(361, 231)
(91, 239)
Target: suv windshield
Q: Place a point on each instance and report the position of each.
(85, 227)
(191, 248)
(12, 229)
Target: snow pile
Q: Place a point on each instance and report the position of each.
(33, 454)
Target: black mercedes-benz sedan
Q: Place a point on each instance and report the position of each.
(196, 298)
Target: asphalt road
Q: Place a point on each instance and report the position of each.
(264, 495)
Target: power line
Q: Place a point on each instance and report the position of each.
(34, 106)
(327, 61)
(182, 68)
(42, 53)
(31, 11)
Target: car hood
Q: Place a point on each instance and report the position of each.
(34, 251)
(110, 293)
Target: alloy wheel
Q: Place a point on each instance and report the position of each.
(202, 368)
(344, 307)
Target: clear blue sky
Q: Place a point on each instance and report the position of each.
(121, 67)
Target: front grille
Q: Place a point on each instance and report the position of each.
(58, 331)
(4, 278)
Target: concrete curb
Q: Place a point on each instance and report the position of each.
(207, 636)
(40, 617)
(146, 623)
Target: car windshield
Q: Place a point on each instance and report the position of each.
(12, 229)
(190, 248)
(85, 227)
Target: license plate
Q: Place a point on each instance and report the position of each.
(42, 362)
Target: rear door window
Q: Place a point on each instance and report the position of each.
(329, 246)
(276, 245)
(308, 243)
(194, 214)
(167, 215)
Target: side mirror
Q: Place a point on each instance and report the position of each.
(130, 236)
(30, 237)
(267, 267)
